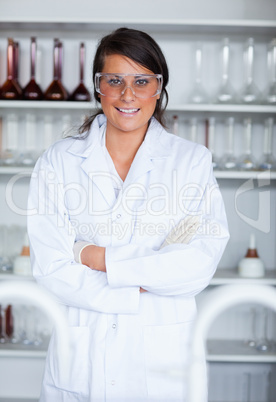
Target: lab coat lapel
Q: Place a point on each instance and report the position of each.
(96, 168)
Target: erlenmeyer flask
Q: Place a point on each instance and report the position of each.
(10, 90)
(270, 95)
(225, 93)
(198, 94)
(81, 93)
(228, 161)
(250, 93)
(56, 90)
(210, 128)
(32, 90)
(247, 161)
(268, 161)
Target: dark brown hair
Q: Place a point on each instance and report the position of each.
(139, 47)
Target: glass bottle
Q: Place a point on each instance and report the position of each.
(28, 157)
(32, 90)
(210, 128)
(247, 161)
(81, 93)
(10, 152)
(10, 90)
(268, 161)
(56, 90)
(198, 94)
(250, 93)
(270, 96)
(225, 93)
(16, 63)
(193, 129)
(229, 161)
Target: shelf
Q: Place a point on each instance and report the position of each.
(24, 351)
(66, 105)
(6, 399)
(236, 351)
(170, 25)
(12, 277)
(260, 175)
(231, 276)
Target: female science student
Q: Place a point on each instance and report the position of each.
(127, 227)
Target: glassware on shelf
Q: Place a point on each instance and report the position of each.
(81, 93)
(56, 90)
(48, 132)
(228, 160)
(10, 90)
(268, 161)
(175, 125)
(251, 339)
(247, 161)
(263, 343)
(29, 156)
(198, 94)
(9, 153)
(250, 94)
(270, 95)
(210, 127)
(193, 129)
(226, 94)
(16, 63)
(3, 336)
(32, 90)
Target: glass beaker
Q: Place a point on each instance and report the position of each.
(29, 155)
(210, 141)
(225, 93)
(9, 154)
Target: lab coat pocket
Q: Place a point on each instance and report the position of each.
(166, 358)
(77, 378)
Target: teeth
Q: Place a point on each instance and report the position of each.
(128, 110)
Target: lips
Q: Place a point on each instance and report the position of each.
(127, 111)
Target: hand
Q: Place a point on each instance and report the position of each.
(183, 232)
(94, 257)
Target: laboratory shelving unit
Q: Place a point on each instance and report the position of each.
(170, 33)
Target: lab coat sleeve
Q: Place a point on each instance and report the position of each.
(177, 269)
(51, 244)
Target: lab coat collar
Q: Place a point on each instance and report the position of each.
(90, 148)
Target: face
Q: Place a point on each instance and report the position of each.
(127, 113)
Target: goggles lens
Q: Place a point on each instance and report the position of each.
(142, 85)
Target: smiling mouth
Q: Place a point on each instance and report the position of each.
(128, 111)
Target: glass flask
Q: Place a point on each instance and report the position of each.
(56, 90)
(175, 125)
(193, 129)
(228, 160)
(270, 95)
(268, 161)
(247, 161)
(81, 93)
(250, 93)
(16, 63)
(225, 93)
(10, 90)
(210, 128)
(32, 90)
(9, 154)
(29, 156)
(198, 94)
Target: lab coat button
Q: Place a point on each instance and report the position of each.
(114, 326)
(112, 382)
(118, 216)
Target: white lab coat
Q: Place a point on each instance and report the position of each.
(127, 345)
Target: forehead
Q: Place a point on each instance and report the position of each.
(117, 63)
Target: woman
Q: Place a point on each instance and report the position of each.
(120, 187)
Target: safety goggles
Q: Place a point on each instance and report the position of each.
(142, 85)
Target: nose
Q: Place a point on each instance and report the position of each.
(128, 93)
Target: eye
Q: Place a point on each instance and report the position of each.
(141, 82)
(114, 82)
